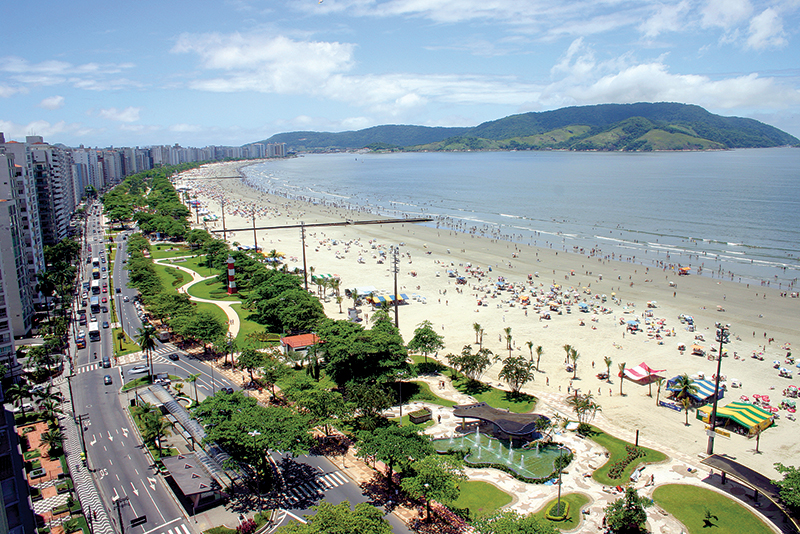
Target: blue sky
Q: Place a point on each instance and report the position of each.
(237, 71)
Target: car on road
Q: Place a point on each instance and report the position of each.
(126, 299)
(105, 324)
(137, 370)
(104, 300)
(92, 318)
(106, 362)
(118, 290)
(107, 380)
(174, 356)
(226, 390)
(105, 290)
(104, 309)
(105, 276)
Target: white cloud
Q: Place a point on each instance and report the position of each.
(129, 114)
(51, 72)
(52, 102)
(266, 63)
(44, 128)
(766, 31)
(725, 13)
(186, 128)
(7, 91)
(668, 18)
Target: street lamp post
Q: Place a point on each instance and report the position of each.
(723, 336)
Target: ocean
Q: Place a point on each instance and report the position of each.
(735, 213)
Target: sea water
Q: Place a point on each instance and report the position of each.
(733, 212)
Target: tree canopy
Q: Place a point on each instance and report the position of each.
(340, 519)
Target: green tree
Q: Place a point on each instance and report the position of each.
(192, 379)
(154, 427)
(46, 285)
(516, 371)
(621, 376)
(435, 477)
(121, 338)
(369, 399)
(340, 519)
(568, 350)
(395, 446)
(686, 403)
(53, 439)
(146, 339)
(574, 356)
(684, 386)
(425, 340)
(478, 329)
(250, 360)
(511, 522)
(17, 393)
(608, 362)
(271, 371)
(507, 331)
(203, 327)
(626, 515)
(471, 364)
(323, 405)
(659, 381)
(584, 407)
(789, 487)
(539, 352)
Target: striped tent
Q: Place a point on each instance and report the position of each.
(751, 418)
(705, 389)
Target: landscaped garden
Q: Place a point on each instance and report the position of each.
(481, 498)
(623, 458)
(575, 502)
(702, 510)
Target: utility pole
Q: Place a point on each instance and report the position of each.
(81, 419)
(71, 398)
(122, 501)
(395, 270)
(723, 336)
(255, 236)
(303, 241)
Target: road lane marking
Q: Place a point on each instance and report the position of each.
(94, 440)
(110, 437)
(135, 491)
(152, 483)
(125, 431)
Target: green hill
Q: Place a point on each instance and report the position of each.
(607, 127)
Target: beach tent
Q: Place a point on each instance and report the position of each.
(750, 418)
(642, 373)
(705, 389)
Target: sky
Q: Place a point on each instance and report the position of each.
(231, 72)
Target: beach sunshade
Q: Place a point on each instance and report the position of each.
(641, 372)
(403, 296)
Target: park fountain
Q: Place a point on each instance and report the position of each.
(530, 462)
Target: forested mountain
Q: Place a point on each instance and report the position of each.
(641, 126)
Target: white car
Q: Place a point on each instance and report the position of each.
(137, 370)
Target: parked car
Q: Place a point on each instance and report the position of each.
(107, 380)
(105, 324)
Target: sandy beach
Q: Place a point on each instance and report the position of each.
(763, 321)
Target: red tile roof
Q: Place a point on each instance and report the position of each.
(302, 340)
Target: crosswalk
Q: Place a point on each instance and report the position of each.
(87, 368)
(313, 490)
(135, 357)
(180, 529)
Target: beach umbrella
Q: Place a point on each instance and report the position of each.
(776, 362)
(765, 398)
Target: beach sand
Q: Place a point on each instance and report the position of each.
(756, 314)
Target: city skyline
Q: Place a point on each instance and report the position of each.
(204, 74)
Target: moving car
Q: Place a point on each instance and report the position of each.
(105, 324)
(107, 380)
(137, 370)
(174, 356)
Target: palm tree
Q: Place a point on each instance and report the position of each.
(18, 393)
(659, 381)
(507, 331)
(686, 402)
(121, 338)
(339, 300)
(335, 285)
(530, 349)
(273, 255)
(621, 375)
(684, 386)
(477, 328)
(46, 286)
(608, 362)
(574, 356)
(53, 439)
(192, 379)
(155, 427)
(567, 348)
(146, 339)
(539, 352)
(50, 411)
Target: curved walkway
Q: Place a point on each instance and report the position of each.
(234, 324)
(678, 469)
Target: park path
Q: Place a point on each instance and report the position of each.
(234, 323)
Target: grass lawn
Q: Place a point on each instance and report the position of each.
(141, 381)
(496, 398)
(407, 422)
(419, 391)
(213, 291)
(481, 498)
(171, 278)
(213, 309)
(198, 265)
(168, 251)
(247, 326)
(128, 346)
(690, 504)
(616, 449)
(576, 502)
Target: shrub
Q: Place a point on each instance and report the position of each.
(247, 527)
(556, 513)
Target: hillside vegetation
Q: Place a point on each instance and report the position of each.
(607, 127)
